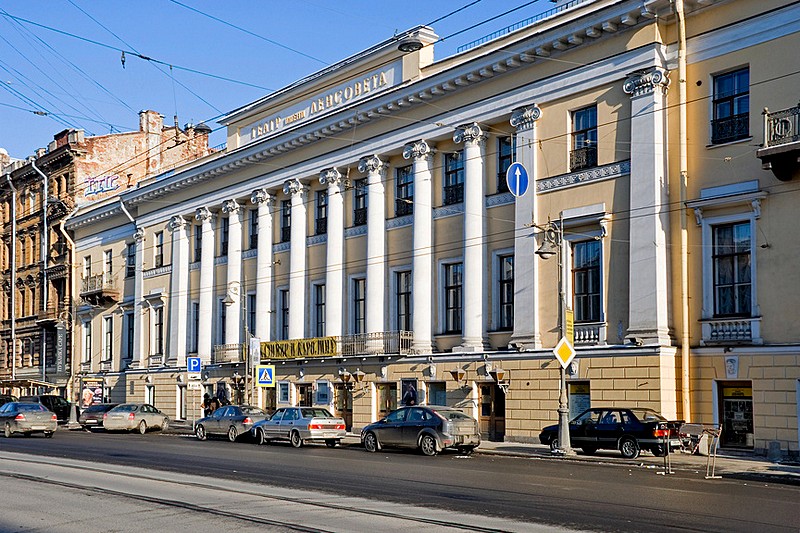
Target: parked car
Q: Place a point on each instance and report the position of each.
(55, 403)
(5, 398)
(299, 425)
(92, 416)
(27, 418)
(135, 416)
(231, 420)
(430, 429)
(615, 428)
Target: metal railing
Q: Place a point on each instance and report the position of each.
(581, 158)
(391, 342)
(229, 353)
(98, 283)
(286, 234)
(403, 207)
(320, 226)
(781, 127)
(725, 130)
(359, 216)
(453, 194)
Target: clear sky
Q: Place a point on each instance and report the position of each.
(263, 45)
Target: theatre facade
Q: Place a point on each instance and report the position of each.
(358, 233)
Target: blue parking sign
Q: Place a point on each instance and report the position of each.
(265, 375)
(193, 364)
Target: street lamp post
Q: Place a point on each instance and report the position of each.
(552, 244)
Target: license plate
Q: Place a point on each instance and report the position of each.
(37, 428)
(329, 435)
(675, 443)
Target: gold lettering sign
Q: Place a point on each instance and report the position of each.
(316, 347)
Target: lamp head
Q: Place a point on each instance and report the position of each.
(547, 250)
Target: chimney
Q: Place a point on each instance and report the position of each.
(151, 122)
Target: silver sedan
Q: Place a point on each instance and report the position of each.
(27, 418)
(135, 416)
(299, 425)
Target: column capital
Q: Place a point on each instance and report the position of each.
(330, 176)
(371, 164)
(469, 133)
(525, 117)
(646, 81)
(139, 234)
(292, 187)
(230, 207)
(417, 150)
(260, 196)
(176, 223)
(203, 214)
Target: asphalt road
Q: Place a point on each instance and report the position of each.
(584, 496)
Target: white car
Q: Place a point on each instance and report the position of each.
(135, 416)
(299, 425)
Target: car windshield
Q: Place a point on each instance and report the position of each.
(127, 408)
(451, 414)
(646, 415)
(253, 411)
(30, 407)
(316, 413)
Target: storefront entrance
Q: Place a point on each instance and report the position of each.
(387, 398)
(305, 395)
(493, 412)
(737, 414)
(343, 403)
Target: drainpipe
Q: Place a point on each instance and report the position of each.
(13, 278)
(72, 282)
(684, 172)
(45, 249)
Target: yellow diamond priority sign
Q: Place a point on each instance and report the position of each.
(564, 352)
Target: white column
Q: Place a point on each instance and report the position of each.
(334, 267)
(233, 297)
(297, 259)
(649, 257)
(265, 202)
(179, 292)
(138, 302)
(376, 245)
(526, 263)
(205, 320)
(474, 336)
(422, 262)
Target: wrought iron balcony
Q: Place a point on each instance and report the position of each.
(729, 129)
(781, 146)
(581, 158)
(453, 194)
(321, 226)
(286, 234)
(99, 289)
(402, 207)
(359, 216)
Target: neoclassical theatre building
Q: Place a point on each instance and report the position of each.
(359, 235)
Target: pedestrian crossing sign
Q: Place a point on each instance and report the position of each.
(265, 375)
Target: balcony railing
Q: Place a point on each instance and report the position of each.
(385, 342)
(286, 234)
(732, 330)
(155, 360)
(321, 226)
(86, 366)
(229, 353)
(105, 366)
(453, 194)
(359, 216)
(403, 207)
(581, 158)
(99, 288)
(725, 130)
(781, 127)
(588, 334)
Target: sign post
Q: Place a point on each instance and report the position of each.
(194, 369)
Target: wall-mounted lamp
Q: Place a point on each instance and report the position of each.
(358, 376)
(409, 45)
(346, 377)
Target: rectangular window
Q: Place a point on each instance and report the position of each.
(453, 276)
(506, 292)
(586, 281)
(404, 191)
(224, 237)
(360, 202)
(158, 330)
(198, 242)
(403, 299)
(359, 306)
(253, 229)
(505, 156)
(182, 403)
(87, 342)
(283, 296)
(87, 267)
(195, 327)
(130, 260)
(283, 392)
(251, 313)
(323, 393)
(319, 310)
(129, 335)
(584, 139)
(108, 338)
(453, 178)
(158, 249)
(286, 220)
(732, 270)
(108, 263)
(223, 312)
(731, 104)
(321, 214)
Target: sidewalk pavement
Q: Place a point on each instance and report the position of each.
(728, 464)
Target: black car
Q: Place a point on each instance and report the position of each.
(60, 406)
(429, 428)
(92, 416)
(614, 428)
(5, 398)
(231, 420)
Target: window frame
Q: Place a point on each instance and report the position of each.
(400, 296)
(448, 319)
(574, 271)
(584, 140)
(321, 213)
(734, 100)
(404, 191)
(715, 256)
(286, 220)
(499, 284)
(504, 160)
(453, 178)
(130, 260)
(283, 309)
(319, 301)
(358, 300)
(158, 249)
(360, 201)
(108, 338)
(87, 341)
(224, 235)
(253, 229)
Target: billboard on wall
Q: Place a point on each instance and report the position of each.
(92, 391)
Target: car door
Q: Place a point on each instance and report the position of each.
(287, 423)
(416, 420)
(582, 429)
(217, 418)
(391, 430)
(272, 426)
(608, 429)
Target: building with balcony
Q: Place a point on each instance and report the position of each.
(404, 259)
(45, 282)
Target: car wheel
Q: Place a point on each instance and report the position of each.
(331, 443)
(232, 434)
(629, 448)
(466, 450)
(165, 425)
(554, 445)
(200, 432)
(371, 442)
(589, 450)
(659, 450)
(48, 434)
(296, 440)
(142, 427)
(7, 431)
(428, 445)
(261, 437)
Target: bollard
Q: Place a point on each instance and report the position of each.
(73, 417)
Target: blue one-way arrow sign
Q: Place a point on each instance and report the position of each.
(517, 179)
